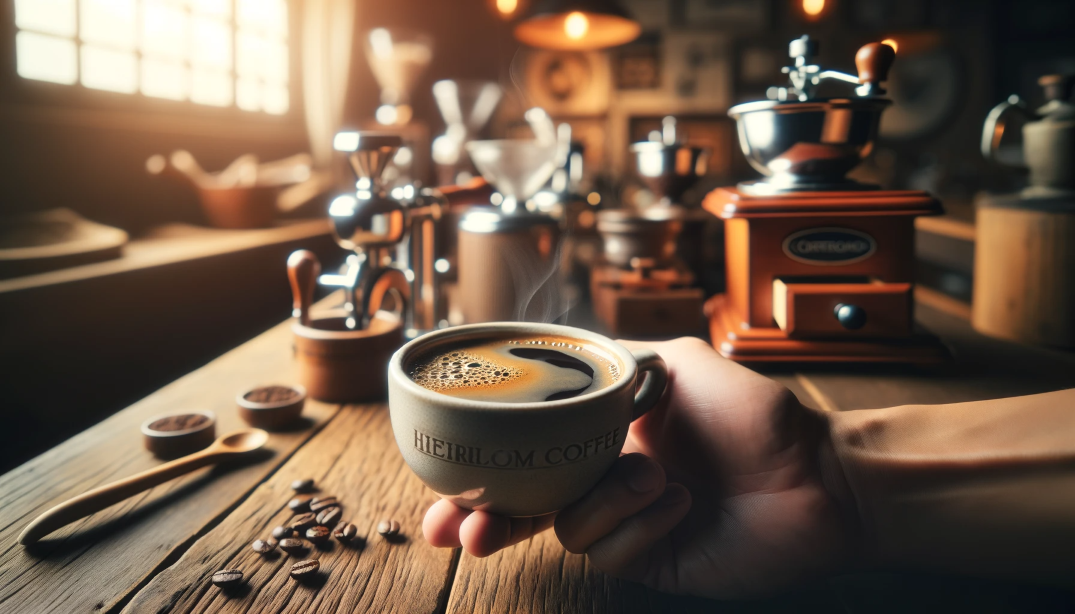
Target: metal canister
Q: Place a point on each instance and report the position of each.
(509, 267)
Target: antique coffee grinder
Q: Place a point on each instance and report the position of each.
(639, 284)
(669, 167)
(819, 267)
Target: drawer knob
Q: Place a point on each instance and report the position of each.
(851, 317)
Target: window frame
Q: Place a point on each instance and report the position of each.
(19, 95)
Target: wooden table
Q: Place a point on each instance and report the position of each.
(155, 552)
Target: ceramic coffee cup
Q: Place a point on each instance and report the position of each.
(517, 459)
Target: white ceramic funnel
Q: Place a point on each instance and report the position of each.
(517, 168)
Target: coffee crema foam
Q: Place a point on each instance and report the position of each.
(517, 370)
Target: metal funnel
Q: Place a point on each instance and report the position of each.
(368, 153)
(517, 168)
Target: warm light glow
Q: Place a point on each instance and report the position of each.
(507, 7)
(576, 25)
(813, 8)
(891, 43)
(174, 49)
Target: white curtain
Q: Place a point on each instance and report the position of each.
(328, 30)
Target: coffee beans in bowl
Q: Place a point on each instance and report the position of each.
(305, 569)
(178, 434)
(226, 578)
(272, 407)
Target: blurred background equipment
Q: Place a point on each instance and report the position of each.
(1025, 258)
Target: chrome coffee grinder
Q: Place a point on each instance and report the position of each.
(819, 267)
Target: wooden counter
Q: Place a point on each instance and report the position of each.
(155, 552)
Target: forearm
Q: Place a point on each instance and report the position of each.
(984, 488)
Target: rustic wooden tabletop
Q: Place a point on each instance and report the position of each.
(157, 551)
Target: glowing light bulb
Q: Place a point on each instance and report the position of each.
(891, 43)
(576, 25)
(813, 8)
(507, 7)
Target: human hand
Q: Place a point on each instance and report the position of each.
(721, 492)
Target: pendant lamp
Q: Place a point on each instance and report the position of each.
(577, 25)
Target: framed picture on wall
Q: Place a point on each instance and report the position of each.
(637, 65)
(567, 83)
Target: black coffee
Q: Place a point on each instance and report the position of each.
(519, 370)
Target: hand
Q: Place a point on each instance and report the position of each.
(721, 492)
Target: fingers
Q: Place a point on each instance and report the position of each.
(632, 484)
(624, 548)
(441, 524)
(447, 525)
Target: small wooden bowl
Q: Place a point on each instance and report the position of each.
(272, 415)
(338, 365)
(168, 437)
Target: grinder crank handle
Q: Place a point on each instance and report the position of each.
(303, 269)
(873, 62)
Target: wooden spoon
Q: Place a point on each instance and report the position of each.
(232, 444)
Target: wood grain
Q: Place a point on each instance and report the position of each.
(356, 459)
(95, 563)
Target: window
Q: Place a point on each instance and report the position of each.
(212, 52)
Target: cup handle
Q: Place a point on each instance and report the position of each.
(649, 392)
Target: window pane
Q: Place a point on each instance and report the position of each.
(215, 8)
(52, 16)
(46, 58)
(269, 16)
(164, 29)
(211, 43)
(107, 22)
(164, 79)
(275, 99)
(248, 94)
(210, 87)
(105, 69)
(256, 56)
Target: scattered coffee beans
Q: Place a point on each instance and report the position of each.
(264, 546)
(227, 577)
(300, 504)
(303, 521)
(388, 528)
(291, 545)
(305, 569)
(282, 532)
(317, 535)
(305, 485)
(345, 531)
(329, 516)
(320, 503)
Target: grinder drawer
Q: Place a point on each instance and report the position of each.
(842, 307)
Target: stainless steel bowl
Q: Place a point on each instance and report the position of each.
(649, 234)
(669, 170)
(807, 145)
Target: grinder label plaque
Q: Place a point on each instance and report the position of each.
(829, 246)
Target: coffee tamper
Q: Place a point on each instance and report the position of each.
(371, 223)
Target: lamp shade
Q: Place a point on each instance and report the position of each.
(577, 25)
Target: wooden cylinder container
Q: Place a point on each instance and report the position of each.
(1024, 270)
(346, 366)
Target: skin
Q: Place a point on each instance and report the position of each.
(731, 488)
(720, 493)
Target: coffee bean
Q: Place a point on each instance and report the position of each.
(282, 532)
(300, 504)
(227, 577)
(305, 485)
(320, 503)
(264, 546)
(291, 545)
(305, 569)
(329, 516)
(317, 534)
(388, 528)
(303, 521)
(345, 531)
